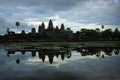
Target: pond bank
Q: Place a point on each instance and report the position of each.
(83, 43)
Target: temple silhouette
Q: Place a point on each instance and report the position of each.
(43, 34)
(52, 33)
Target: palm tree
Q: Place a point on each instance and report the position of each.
(17, 24)
(97, 30)
(97, 33)
(102, 27)
(102, 31)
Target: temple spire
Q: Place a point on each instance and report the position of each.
(43, 25)
(41, 28)
(50, 25)
(62, 27)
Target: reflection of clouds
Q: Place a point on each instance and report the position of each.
(90, 57)
(35, 60)
(77, 55)
(75, 68)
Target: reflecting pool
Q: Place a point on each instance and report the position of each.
(59, 63)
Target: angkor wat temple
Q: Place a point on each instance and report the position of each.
(61, 34)
(43, 34)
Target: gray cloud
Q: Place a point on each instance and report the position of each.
(53, 4)
(2, 25)
(104, 12)
(80, 11)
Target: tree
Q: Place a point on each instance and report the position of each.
(97, 30)
(107, 34)
(17, 24)
(97, 33)
(88, 34)
(69, 33)
(102, 27)
(116, 34)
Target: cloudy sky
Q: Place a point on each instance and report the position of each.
(75, 14)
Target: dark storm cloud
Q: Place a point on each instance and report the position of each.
(33, 8)
(2, 25)
(103, 12)
(52, 4)
(76, 11)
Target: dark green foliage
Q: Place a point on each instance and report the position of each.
(116, 34)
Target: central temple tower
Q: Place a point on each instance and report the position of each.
(50, 25)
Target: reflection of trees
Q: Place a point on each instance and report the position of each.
(116, 51)
(97, 51)
(88, 51)
(17, 60)
(108, 51)
(68, 54)
(10, 52)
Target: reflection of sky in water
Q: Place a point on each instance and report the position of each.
(77, 67)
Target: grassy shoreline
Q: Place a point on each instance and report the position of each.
(65, 43)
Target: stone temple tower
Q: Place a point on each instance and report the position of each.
(41, 27)
(50, 25)
(33, 31)
(62, 27)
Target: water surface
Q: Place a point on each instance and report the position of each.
(59, 63)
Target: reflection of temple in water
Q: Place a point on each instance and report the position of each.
(66, 53)
(43, 53)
